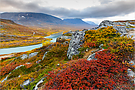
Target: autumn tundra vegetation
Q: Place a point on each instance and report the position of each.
(14, 35)
(107, 72)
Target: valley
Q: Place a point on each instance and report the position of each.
(39, 58)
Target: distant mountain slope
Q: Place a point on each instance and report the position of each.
(9, 27)
(76, 21)
(42, 20)
(91, 23)
(29, 18)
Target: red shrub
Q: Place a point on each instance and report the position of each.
(8, 68)
(104, 73)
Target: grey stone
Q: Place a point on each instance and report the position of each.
(132, 63)
(26, 83)
(130, 73)
(44, 55)
(77, 39)
(91, 57)
(38, 61)
(100, 46)
(24, 56)
(119, 26)
(32, 54)
(41, 81)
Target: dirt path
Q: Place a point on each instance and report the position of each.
(87, 54)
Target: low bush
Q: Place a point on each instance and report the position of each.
(104, 73)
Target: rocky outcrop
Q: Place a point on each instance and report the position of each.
(24, 56)
(76, 41)
(131, 74)
(121, 27)
(38, 84)
(33, 54)
(26, 83)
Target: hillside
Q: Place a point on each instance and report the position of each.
(13, 34)
(78, 22)
(42, 20)
(100, 58)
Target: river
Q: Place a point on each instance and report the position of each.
(27, 48)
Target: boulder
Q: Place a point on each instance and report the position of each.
(26, 83)
(132, 63)
(32, 54)
(130, 73)
(100, 46)
(40, 82)
(91, 57)
(76, 41)
(44, 55)
(24, 56)
(38, 61)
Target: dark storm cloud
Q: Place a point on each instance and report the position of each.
(104, 10)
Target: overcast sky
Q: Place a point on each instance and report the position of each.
(88, 10)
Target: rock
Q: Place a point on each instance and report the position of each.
(24, 56)
(33, 54)
(119, 26)
(131, 63)
(130, 73)
(26, 83)
(75, 42)
(44, 55)
(58, 64)
(87, 50)
(18, 67)
(40, 82)
(100, 46)
(38, 61)
(91, 57)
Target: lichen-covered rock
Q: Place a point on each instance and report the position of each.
(76, 41)
(37, 85)
(91, 57)
(24, 56)
(130, 73)
(32, 54)
(44, 55)
(132, 63)
(26, 83)
(121, 27)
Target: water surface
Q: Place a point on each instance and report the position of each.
(27, 48)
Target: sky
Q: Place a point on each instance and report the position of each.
(88, 10)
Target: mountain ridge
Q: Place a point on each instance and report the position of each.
(40, 19)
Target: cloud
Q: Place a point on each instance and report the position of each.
(105, 1)
(111, 9)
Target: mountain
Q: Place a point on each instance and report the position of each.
(43, 20)
(91, 23)
(30, 18)
(76, 21)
